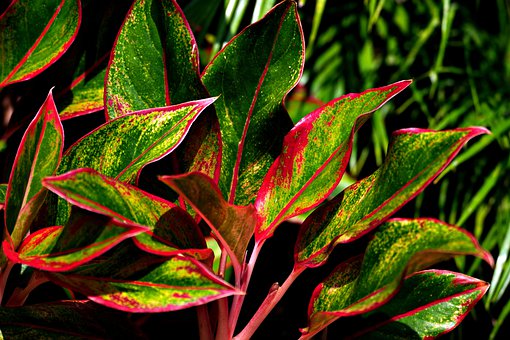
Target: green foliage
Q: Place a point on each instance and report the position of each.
(174, 160)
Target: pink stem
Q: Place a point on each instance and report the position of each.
(20, 295)
(237, 303)
(204, 324)
(268, 304)
(223, 331)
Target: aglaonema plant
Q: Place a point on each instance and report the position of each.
(79, 219)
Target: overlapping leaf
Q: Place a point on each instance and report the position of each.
(65, 320)
(415, 157)
(33, 35)
(83, 238)
(399, 247)
(137, 283)
(315, 154)
(233, 225)
(3, 191)
(154, 62)
(171, 230)
(122, 147)
(429, 304)
(252, 75)
(38, 155)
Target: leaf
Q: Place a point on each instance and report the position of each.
(83, 238)
(170, 232)
(154, 61)
(65, 320)
(145, 284)
(252, 87)
(38, 156)
(429, 304)
(315, 154)
(399, 247)
(33, 35)
(3, 191)
(232, 225)
(415, 157)
(121, 147)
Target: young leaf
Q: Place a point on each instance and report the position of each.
(38, 156)
(83, 238)
(154, 61)
(429, 304)
(121, 147)
(252, 87)
(33, 35)
(399, 247)
(146, 284)
(65, 320)
(314, 158)
(169, 232)
(232, 225)
(415, 157)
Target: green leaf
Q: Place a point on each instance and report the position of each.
(3, 191)
(429, 304)
(135, 283)
(38, 156)
(33, 35)
(232, 225)
(315, 154)
(415, 157)
(400, 247)
(121, 147)
(83, 238)
(65, 320)
(154, 62)
(252, 87)
(171, 230)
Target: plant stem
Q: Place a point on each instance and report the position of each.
(268, 304)
(20, 295)
(4, 275)
(223, 330)
(204, 324)
(237, 303)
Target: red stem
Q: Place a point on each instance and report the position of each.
(237, 303)
(268, 304)
(20, 295)
(223, 331)
(4, 275)
(204, 324)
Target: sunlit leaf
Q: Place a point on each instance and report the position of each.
(399, 247)
(146, 284)
(252, 75)
(154, 62)
(429, 304)
(169, 232)
(314, 157)
(33, 35)
(415, 157)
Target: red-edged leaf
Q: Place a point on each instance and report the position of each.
(154, 61)
(429, 304)
(171, 230)
(232, 225)
(38, 156)
(121, 147)
(415, 157)
(314, 157)
(66, 320)
(83, 238)
(252, 75)
(398, 248)
(33, 35)
(135, 283)
(3, 191)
